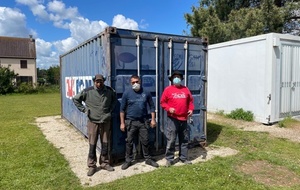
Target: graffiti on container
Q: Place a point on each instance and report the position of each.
(194, 60)
(76, 84)
(93, 54)
(177, 60)
(124, 58)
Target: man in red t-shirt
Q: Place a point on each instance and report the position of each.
(178, 101)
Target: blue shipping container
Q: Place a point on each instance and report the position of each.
(119, 53)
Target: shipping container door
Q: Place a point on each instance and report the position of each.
(290, 81)
(132, 54)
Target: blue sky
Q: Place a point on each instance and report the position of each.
(59, 25)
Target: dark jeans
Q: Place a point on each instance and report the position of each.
(94, 130)
(136, 129)
(176, 127)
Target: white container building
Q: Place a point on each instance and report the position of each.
(260, 74)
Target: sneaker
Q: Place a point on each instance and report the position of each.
(126, 165)
(186, 162)
(169, 163)
(91, 171)
(151, 163)
(107, 167)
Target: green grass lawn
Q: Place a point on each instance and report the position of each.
(29, 161)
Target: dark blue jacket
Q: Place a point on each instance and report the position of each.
(134, 104)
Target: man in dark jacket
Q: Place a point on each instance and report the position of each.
(100, 101)
(133, 116)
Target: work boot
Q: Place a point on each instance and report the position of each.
(107, 167)
(91, 171)
(126, 165)
(151, 163)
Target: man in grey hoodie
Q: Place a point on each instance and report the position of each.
(100, 101)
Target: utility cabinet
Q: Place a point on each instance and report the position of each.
(260, 74)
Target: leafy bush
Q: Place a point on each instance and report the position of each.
(240, 114)
(26, 88)
(6, 80)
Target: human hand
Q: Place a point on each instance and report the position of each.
(190, 113)
(153, 123)
(172, 110)
(122, 127)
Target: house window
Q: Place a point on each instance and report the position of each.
(23, 64)
(24, 79)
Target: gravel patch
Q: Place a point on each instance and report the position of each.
(74, 147)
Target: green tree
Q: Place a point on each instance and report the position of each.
(248, 25)
(224, 20)
(205, 23)
(291, 14)
(7, 77)
(41, 76)
(53, 75)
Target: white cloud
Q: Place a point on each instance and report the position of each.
(65, 45)
(121, 22)
(46, 55)
(36, 8)
(13, 23)
(60, 15)
(43, 47)
(59, 8)
(82, 29)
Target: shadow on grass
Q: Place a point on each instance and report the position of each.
(213, 132)
(198, 150)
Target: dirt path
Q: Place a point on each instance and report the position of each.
(74, 147)
(292, 134)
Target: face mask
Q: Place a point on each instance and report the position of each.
(136, 86)
(176, 81)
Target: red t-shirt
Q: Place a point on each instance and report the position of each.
(179, 98)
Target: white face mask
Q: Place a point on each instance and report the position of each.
(136, 86)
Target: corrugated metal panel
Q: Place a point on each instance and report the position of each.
(117, 54)
(290, 81)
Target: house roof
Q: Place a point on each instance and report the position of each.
(13, 47)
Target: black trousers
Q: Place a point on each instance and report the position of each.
(136, 129)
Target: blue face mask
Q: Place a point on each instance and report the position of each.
(176, 81)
